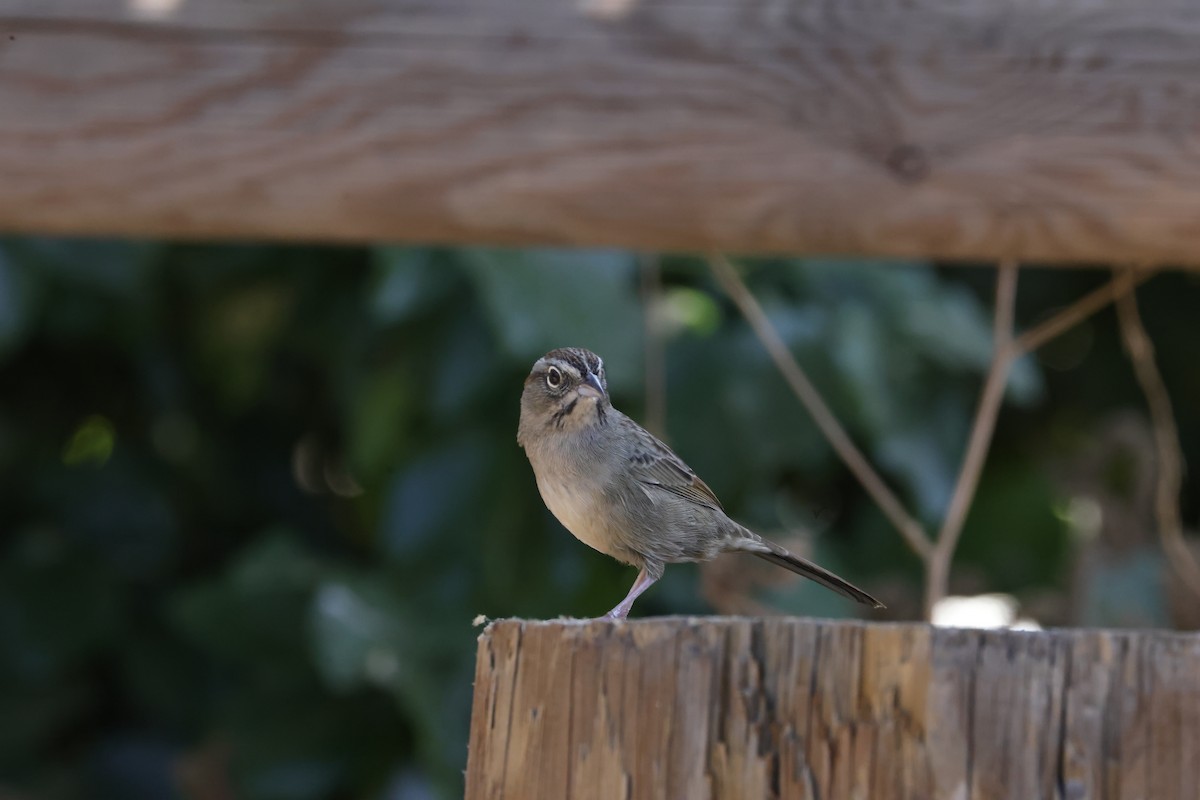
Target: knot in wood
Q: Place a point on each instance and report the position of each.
(908, 163)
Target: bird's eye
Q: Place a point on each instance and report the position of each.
(554, 378)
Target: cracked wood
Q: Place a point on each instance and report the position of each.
(795, 709)
(1060, 131)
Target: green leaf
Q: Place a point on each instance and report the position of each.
(733, 418)
(405, 282)
(923, 449)
(358, 635)
(34, 714)
(56, 606)
(434, 495)
(467, 369)
(237, 335)
(864, 357)
(1011, 532)
(538, 300)
(254, 611)
(118, 269)
(17, 293)
(376, 425)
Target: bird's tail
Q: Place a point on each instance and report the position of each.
(750, 542)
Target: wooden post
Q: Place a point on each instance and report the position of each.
(695, 708)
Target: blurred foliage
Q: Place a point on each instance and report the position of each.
(252, 497)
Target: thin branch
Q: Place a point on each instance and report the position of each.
(656, 379)
(808, 395)
(1008, 348)
(1166, 441)
(1121, 284)
(980, 439)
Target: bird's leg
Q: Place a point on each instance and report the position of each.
(643, 582)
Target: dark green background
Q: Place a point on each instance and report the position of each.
(252, 497)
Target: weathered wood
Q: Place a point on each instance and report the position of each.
(1062, 130)
(793, 708)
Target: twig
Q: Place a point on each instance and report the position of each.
(938, 555)
(1166, 440)
(1007, 350)
(1123, 283)
(808, 395)
(656, 379)
(982, 428)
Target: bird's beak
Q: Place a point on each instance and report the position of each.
(591, 387)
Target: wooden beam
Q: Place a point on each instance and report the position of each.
(795, 708)
(1065, 130)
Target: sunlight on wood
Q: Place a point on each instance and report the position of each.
(153, 9)
(981, 611)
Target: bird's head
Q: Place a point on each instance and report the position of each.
(565, 390)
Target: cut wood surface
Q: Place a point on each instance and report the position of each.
(1063, 130)
(695, 708)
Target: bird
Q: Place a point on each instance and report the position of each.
(620, 490)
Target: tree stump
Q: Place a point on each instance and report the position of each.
(694, 708)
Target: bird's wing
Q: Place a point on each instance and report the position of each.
(652, 463)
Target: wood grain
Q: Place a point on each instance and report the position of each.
(799, 709)
(1064, 130)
